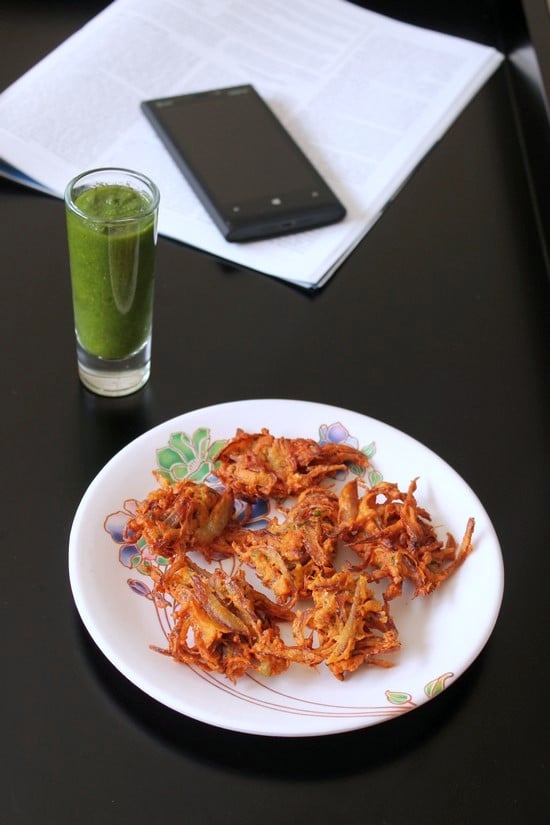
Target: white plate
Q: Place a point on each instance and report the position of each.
(441, 634)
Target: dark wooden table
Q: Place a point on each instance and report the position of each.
(436, 324)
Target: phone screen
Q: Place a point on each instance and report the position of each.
(234, 140)
(239, 157)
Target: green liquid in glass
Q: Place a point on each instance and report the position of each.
(112, 269)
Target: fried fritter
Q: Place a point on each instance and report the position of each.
(256, 466)
(222, 624)
(352, 626)
(287, 554)
(395, 539)
(176, 518)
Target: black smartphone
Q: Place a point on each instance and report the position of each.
(250, 175)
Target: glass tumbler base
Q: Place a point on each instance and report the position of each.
(114, 377)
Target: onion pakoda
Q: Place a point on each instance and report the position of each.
(183, 516)
(257, 466)
(223, 625)
(395, 538)
(352, 625)
(287, 554)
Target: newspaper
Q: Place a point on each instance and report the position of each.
(365, 96)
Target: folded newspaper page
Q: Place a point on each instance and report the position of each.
(364, 96)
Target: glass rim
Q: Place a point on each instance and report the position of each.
(70, 204)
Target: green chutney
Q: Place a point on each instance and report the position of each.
(111, 249)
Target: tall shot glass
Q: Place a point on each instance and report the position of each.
(112, 232)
